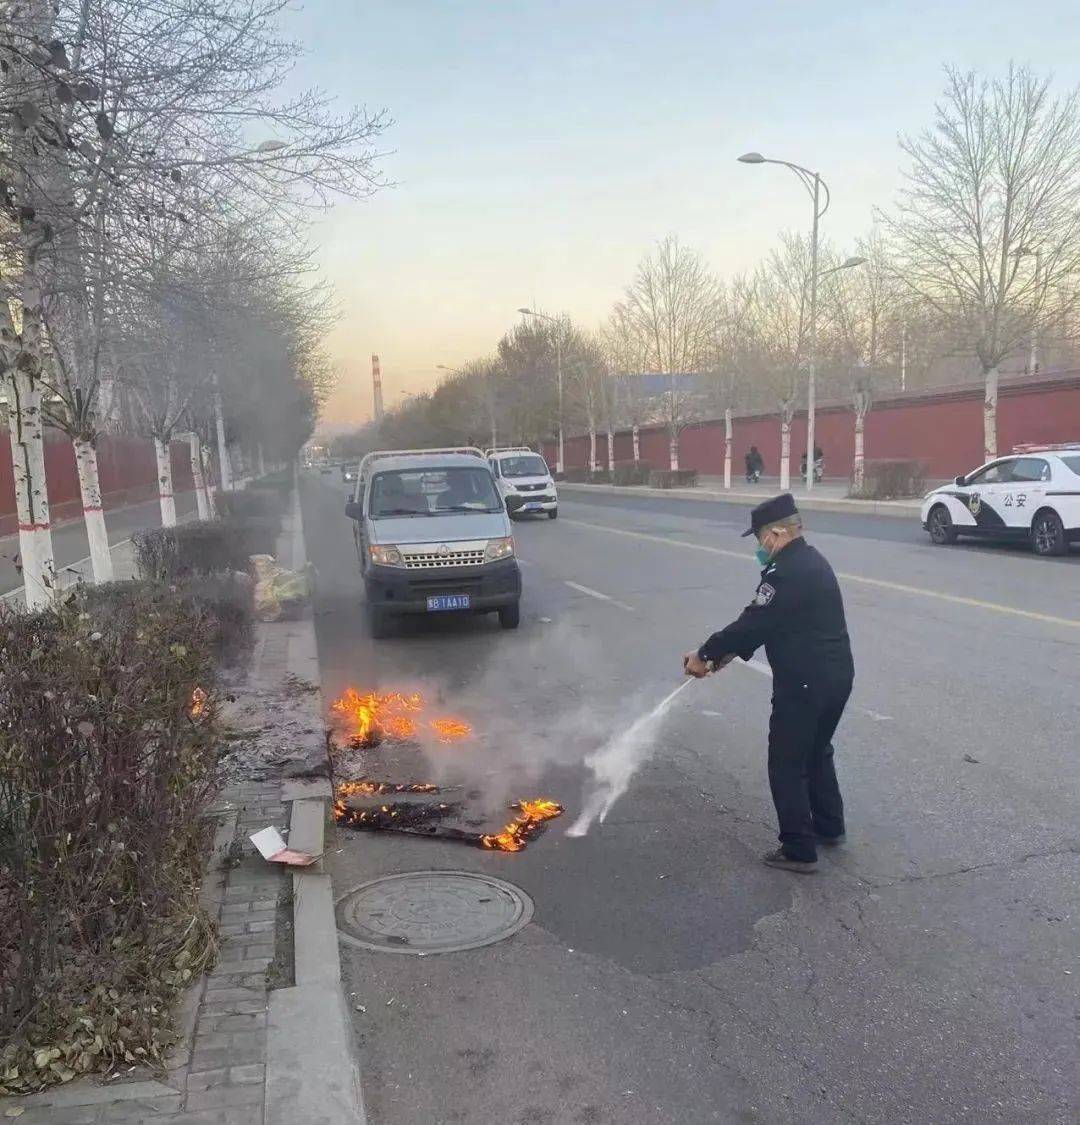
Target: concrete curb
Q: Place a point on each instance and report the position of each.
(897, 509)
(311, 1071)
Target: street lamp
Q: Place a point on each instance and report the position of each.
(814, 184)
(558, 370)
(1036, 253)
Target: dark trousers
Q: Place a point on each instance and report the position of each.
(801, 772)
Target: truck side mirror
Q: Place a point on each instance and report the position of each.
(513, 503)
(353, 510)
(960, 481)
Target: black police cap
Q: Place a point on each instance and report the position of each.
(778, 508)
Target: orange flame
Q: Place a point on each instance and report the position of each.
(199, 703)
(364, 787)
(450, 730)
(368, 718)
(529, 823)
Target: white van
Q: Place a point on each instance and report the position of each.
(433, 535)
(521, 472)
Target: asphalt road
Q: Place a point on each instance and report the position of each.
(70, 545)
(928, 972)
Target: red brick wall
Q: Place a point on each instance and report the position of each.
(943, 428)
(127, 467)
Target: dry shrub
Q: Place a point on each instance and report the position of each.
(892, 478)
(168, 554)
(105, 772)
(224, 604)
(253, 503)
(672, 478)
(630, 472)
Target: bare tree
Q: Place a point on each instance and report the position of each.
(627, 358)
(995, 179)
(865, 318)
(672, 306)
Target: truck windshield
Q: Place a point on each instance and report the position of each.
(430, 492)
(524, 466)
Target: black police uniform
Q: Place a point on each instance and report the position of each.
(798, 615)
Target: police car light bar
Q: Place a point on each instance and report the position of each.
(1041, 447)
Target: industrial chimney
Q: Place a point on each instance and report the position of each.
(376, 383)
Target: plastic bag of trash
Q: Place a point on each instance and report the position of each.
(279, 592)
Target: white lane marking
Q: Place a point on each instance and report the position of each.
(596, 594)
(713, 714)
(878, 717)
(881, 583)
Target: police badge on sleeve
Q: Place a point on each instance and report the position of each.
(765, 594)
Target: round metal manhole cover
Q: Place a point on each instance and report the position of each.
(424, 912)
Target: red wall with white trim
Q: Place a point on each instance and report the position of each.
(126, 465)
(944, 428)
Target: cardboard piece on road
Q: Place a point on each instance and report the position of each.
(272, 848)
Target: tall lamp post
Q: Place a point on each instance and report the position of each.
(815, 185)
(558, 374)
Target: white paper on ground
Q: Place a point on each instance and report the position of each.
(269, 842)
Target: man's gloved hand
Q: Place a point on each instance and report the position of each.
(694, 666)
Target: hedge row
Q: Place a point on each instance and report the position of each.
(108, 758)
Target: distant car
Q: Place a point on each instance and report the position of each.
(1032, 495)
(349, 472)
(521, 472)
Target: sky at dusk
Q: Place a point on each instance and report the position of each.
(538, 150)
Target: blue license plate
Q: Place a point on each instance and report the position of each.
(533, 507)
(448, 601)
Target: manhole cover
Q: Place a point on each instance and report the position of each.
(432, 912)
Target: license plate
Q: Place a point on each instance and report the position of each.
(532, 507)
(447, 601)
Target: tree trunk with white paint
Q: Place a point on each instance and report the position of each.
(858, 473)
(224, 466)
(592, 449)
(93, 511)
(198, 479)
(727, 447)
(673, 452)
(990, 415)
(637, 443)
(785, 454)
(610, 452)
(165, 483)
(31, 490)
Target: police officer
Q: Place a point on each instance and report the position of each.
(798, 615)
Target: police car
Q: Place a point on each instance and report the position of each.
(1033, 495)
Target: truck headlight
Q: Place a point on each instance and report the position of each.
(386, 556)
(499, 549)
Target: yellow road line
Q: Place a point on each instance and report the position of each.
(882, 583)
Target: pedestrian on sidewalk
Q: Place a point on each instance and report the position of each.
(797, 613)
(755, 464)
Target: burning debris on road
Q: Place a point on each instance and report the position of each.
(368, 719)
(532, 817)
(420, 818)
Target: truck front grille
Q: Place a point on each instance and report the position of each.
(440, 562)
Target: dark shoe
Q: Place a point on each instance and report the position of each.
(786, 863)
(831, 841)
